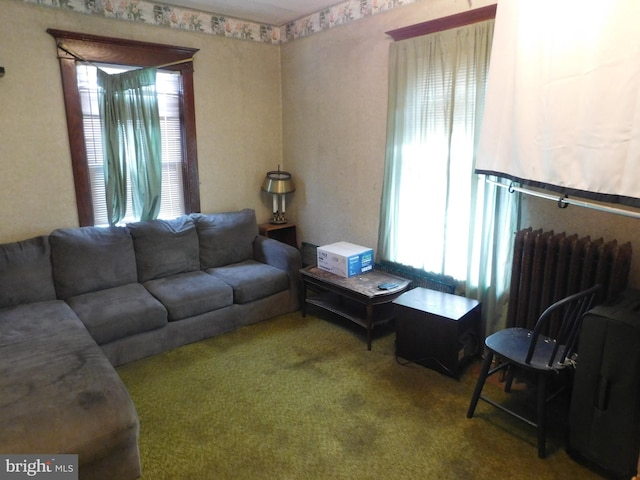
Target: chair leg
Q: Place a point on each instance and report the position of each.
(509, 380)
(542, 404)
(482, 377)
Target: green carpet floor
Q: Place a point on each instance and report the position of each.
(302, 399)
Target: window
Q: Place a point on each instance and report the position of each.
(179, 155)
(436, 212)
(437, 86)
(436, 174)
(168, 88)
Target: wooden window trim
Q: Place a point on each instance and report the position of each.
(444, 23)
(99, 49)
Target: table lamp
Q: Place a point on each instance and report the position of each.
(278, 183)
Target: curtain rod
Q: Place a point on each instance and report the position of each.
(564, 202)
(177, 62)
(62, 46)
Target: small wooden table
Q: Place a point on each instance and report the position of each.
(353, 298)
(283, 232)
(438, 330)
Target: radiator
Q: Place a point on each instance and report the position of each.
(549, 266)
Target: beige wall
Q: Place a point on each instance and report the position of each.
(316, 105)
(238, 117)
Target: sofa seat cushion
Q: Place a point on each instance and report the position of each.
(119, 312)
(188, 294)
(251, 280)
(60, 394)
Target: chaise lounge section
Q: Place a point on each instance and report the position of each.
(80, 301)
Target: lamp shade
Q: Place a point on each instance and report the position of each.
(278, 182)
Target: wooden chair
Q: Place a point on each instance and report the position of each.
(543, 352)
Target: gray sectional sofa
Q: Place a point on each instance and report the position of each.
(80, 301)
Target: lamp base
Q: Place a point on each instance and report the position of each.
(278, 218)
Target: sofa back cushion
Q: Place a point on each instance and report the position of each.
(226, 238)
(165, 247)
(88, 259)
(25, 272)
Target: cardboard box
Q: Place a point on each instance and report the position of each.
(345, 259)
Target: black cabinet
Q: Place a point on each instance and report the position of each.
(604, 418)
(437, 330)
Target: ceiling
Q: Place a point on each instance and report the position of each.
(271, 12)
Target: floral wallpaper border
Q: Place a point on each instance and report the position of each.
(154, 13)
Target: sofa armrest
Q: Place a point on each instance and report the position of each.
(279, 255)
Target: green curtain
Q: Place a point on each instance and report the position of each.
(131, 142)
(436, 213)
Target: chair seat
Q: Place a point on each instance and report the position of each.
(513, 344)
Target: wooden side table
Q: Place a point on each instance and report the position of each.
(283, 232)
(437, 330)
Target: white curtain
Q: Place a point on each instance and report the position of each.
(563, 97)
(436, 213)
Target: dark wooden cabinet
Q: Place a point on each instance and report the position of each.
(283, 232)
(437, 330)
